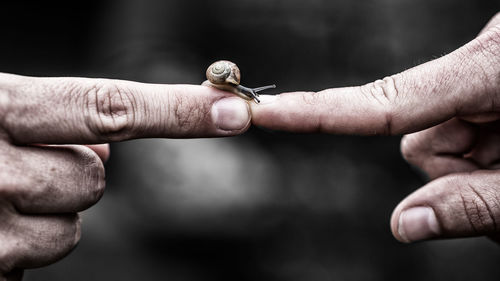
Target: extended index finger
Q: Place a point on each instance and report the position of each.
(464, 82)
(82, 110)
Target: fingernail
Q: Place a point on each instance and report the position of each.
(267, 99)
(418, 223)
(230, 114)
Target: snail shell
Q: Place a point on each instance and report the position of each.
(224, 75)
(223, 72)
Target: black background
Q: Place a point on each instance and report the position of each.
(265, 205)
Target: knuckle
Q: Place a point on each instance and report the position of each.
(18, 104)
(493, 37)
(487, 43)
(407, 148)
(313, 98)
(384, 93)
(481, 207)
(111, 110)
(416, 147)
(483, 53)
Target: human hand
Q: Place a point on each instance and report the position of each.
(42, 187)
(456, 98)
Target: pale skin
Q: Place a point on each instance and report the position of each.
(448, 108)
(42, 187)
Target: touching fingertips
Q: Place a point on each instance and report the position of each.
(231, 114)
(418, 223)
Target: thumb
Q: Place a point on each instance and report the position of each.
(459, 205)
(462, 83)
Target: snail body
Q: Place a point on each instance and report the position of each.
(225, 75)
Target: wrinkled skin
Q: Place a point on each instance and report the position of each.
(43, 187)
(449, 108)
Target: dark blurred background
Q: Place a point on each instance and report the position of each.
(266, 205)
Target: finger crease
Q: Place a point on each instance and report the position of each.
(388, 123)
(490, 212)
(468, 215)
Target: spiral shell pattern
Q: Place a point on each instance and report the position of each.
(223, 72)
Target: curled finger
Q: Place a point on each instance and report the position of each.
(440, 150)
(34, 241)
(51, 179)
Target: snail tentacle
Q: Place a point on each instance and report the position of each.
(249, 92)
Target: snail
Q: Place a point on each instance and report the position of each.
(225, 75)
